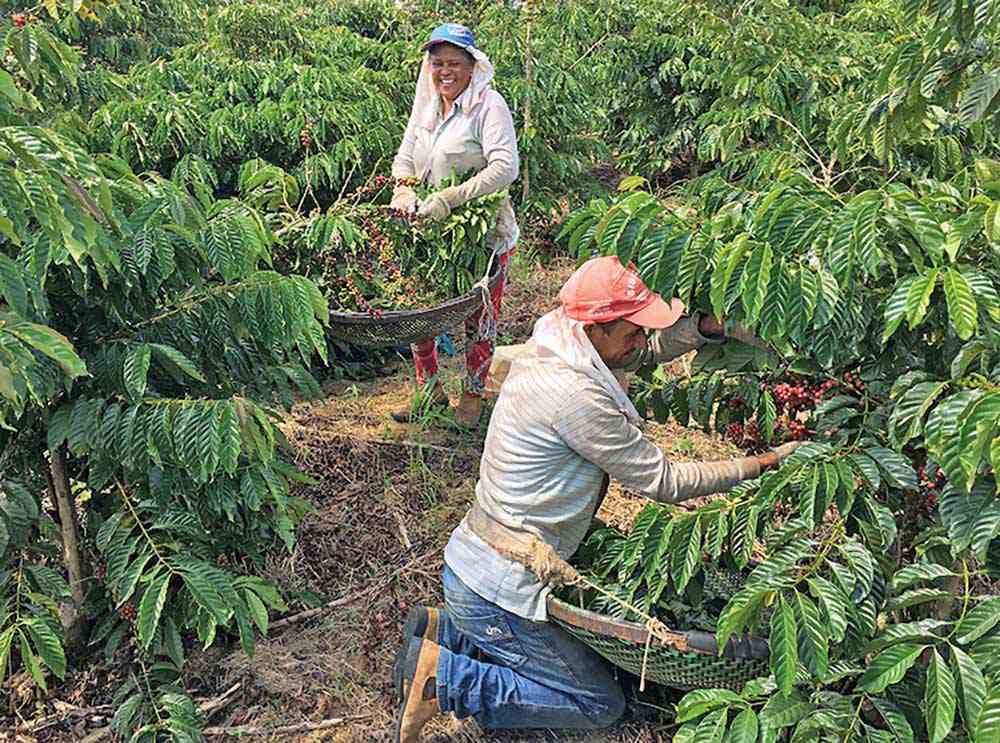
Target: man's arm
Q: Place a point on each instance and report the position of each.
(687, 334)
(596, 430)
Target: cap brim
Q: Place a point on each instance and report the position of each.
(436, 42)
(658, 315)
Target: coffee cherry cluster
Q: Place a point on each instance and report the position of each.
(358, 298)
(748, 435)
(796, 396)
(377, 184)
(127, 613)
(305, 138)
(927, 483)
(19, 20)
(377, 262)
(930, 483)
(100, 572)
(853, 382)
(797, 430)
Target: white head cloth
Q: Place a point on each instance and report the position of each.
(558, 335)
(426, 102)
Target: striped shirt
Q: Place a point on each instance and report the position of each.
(553, 434)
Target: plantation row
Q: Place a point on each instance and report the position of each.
(187, 189)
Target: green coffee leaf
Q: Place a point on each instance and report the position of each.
(744, 728)
(980, 620)
(961, 304)
(889, 667)
(783, 640)
(911, 574)
(939, 698)
(971, 686)
(136, 370)
(151, 607)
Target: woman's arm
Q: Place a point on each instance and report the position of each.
(499, 143)
(404, 198)
(402, 164)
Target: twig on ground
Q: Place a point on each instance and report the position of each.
(212, 706)
(344, 601)
(404, 535)
(302, 727)
(69, 712)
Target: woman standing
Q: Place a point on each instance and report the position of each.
(460, 125)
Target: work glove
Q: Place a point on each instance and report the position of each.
(437, 207)
(404, 199)
(743, 335)
(773, 459)
(785, 450)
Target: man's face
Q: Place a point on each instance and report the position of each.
(616, 342)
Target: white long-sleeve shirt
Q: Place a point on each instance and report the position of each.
(553, 435)
(473, 139)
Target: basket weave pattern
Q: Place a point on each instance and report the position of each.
(401, 327)
(665, 665)
(623, 643)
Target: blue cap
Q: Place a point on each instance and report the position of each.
(451, 33)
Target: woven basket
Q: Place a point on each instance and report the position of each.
(698, 666)
(397, 328)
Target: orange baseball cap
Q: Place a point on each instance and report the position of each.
(603, 290)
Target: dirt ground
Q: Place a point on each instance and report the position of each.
(386, 499)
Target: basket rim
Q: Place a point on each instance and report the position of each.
(389, 316)
(704, 643)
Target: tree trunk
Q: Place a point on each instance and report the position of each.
(72, 611)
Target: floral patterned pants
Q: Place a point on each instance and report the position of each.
(480, 341)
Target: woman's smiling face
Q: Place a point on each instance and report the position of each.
(451, 70)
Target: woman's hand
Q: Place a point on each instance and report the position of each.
(404, 199)
(436, 207)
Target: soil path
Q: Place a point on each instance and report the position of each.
(386, 499)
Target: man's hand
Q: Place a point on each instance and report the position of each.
(710, 327)
(773, 459)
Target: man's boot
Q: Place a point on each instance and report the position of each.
(419, 406)
(419, 703)
(421, 622)
(469, 410)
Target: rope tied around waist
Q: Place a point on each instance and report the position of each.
(550, 568)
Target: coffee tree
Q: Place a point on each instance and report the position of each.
(143, 344)
(869, 557)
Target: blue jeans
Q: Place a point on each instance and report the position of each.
(511, 672)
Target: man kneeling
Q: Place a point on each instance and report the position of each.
(562, 425)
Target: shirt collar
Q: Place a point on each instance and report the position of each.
(456, 107)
